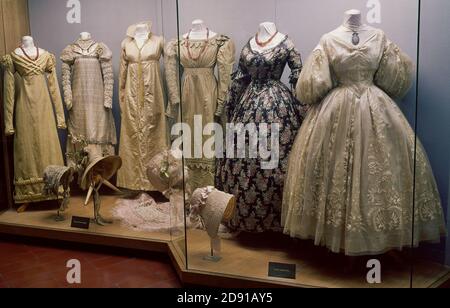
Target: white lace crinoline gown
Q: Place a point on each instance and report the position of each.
(351, 174)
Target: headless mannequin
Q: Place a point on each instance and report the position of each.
(267, 31)
(141, 35)
(353, 24)
(199, 31)
(85, 36)
(28, 45)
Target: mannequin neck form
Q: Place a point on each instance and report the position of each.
(266, 32)
(352, 24)
(27, 45)
(199, 31)
(141, 35)
(353, 20)
(198, 26)
(85, 36)
(27, 42)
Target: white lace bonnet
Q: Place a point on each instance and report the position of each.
(165, 171)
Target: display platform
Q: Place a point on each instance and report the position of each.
(315, 266)
(41, 221)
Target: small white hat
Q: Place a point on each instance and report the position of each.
(165, 171)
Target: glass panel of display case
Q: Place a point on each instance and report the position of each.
(433, 114)
(312, 179)
(91, 140)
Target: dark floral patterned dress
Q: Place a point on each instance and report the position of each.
(257, 96)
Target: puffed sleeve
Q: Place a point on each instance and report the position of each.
(240, 82)
(123, 74)
(295, 63)
(105, 57)
(225, 62)
(55, 93)
(395, 73)
(172, 67)
(9, 93)
(67, 59)
(315, 80)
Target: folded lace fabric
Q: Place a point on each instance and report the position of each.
(145, 214)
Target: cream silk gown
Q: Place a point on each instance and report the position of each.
(143, 131)
(31, 94)
(202, 93)
(351, 173)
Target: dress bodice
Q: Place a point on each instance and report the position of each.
(267, 66)
(27, 67)
(355, 65)
(150, 51)
(336, 65)
(199, 59)
(82, 49)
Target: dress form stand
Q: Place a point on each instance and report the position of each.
(267, 37)
(353, 30)
(199, 31)
(141, 35)
(28, 48)
(216, 247)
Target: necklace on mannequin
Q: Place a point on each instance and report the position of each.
(188, 45)
(355, 36)
(26, 55)
(264, 44)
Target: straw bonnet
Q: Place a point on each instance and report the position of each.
(165, 171)
(105, 166)
(214, 206)
(55, 177)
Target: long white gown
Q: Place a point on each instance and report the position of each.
(350, 184)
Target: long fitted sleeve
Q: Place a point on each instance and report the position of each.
(123, 76)
(108, 74)
(172, 71)
(240, 82)
(295, 63)
(9, 94)
(67, 62)
(225, 62)
(55, 93)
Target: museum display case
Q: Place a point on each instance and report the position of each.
(352, 189)
(259, 143)
(432, 118)
(88, 47)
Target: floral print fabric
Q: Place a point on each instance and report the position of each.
(258, 96)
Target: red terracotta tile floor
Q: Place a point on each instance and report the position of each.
(30, 264)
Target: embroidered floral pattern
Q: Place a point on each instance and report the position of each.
(351, 175)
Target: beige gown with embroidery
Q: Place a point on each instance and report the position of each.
(351, 173)
(143, 131)
(203, 94)
(31, 92)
